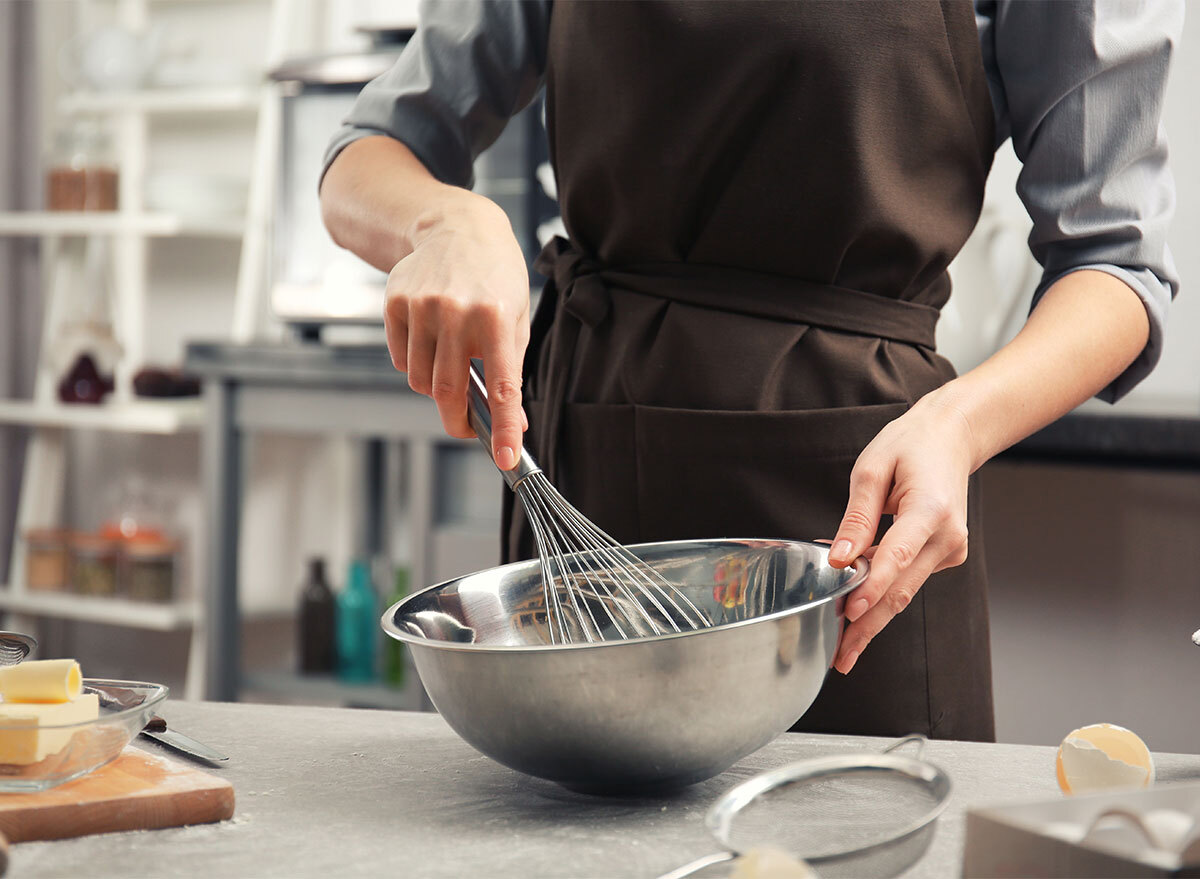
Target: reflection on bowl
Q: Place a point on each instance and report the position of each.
(654, 712)
(79, 748)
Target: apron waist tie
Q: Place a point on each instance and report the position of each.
(577, 294)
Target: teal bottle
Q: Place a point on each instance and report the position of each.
(357, 626)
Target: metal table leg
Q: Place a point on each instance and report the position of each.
(221, 466)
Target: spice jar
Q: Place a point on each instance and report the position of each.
(94, 565)
(81, 174)
(149, 571)
(46, 559)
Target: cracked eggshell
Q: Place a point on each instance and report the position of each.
(1103, 756)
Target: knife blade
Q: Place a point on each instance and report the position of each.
(157, 729)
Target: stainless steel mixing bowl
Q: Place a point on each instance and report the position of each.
(653, 712)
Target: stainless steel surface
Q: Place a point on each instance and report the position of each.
(185, 744)
(655, 712)
(861, 808)
(14, 647)
(606, 591)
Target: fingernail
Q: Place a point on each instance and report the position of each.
(841, 549)
(506, 458)
(856, 609)
(851, 658)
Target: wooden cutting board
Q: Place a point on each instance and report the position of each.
(137, 791)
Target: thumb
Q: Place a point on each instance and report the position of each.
(868, 491)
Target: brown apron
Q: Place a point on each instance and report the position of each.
(761, 199)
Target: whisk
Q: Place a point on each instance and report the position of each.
(592, 585)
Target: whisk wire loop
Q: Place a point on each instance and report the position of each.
(602, 579)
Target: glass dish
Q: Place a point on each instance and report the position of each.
(125, 708)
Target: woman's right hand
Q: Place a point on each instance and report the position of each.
(463, 292)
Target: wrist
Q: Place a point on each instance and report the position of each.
(958, 406)
(455, 209)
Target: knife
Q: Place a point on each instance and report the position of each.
(157, 729)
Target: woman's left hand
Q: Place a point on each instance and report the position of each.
(916, 469)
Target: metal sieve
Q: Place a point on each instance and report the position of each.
(14, 647)
(866, 814)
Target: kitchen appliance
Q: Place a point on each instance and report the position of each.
(315, 283)
(658, 712)
(592, 587)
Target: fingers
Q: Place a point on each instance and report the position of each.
(869, 486)
(900, 548)
(422, 345)
(861, 631)
(449, 386)
(395, 325)
(890, 588)
(502, 375)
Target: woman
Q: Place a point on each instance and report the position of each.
(738, 338)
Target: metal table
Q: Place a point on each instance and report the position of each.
(296, 389)
(342, 792)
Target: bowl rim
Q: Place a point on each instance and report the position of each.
(157, 695)
(860, 565)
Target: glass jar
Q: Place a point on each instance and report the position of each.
(94, 565)
(46, 559)
(81, 174)
(149, 570)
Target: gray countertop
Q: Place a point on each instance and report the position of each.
(343, 792)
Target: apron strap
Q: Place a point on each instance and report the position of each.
(577, 294)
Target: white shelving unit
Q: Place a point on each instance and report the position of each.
(167, 101)
(128, 231)
(111, 611)
(79, 224)
(138, 416)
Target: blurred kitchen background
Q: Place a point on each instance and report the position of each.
(203, 445)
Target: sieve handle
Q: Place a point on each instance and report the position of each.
(914, 739)
(479, 414)
(699, 864)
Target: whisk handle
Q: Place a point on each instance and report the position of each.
(479, 414)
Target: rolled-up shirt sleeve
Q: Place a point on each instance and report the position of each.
(467, 70)
(1080, 86)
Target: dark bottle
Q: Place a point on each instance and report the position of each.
(318, 621)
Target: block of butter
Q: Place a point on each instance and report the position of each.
(45, 680)
(30, 732)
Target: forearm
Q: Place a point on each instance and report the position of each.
(378, 201)
(1087, 328)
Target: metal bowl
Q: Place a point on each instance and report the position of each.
(653, 712)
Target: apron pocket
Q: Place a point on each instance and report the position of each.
(775, 474)
(597, 466)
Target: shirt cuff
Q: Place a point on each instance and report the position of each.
(1156, 297)
(444, 157)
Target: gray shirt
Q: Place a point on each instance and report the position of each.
(1078, 86)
